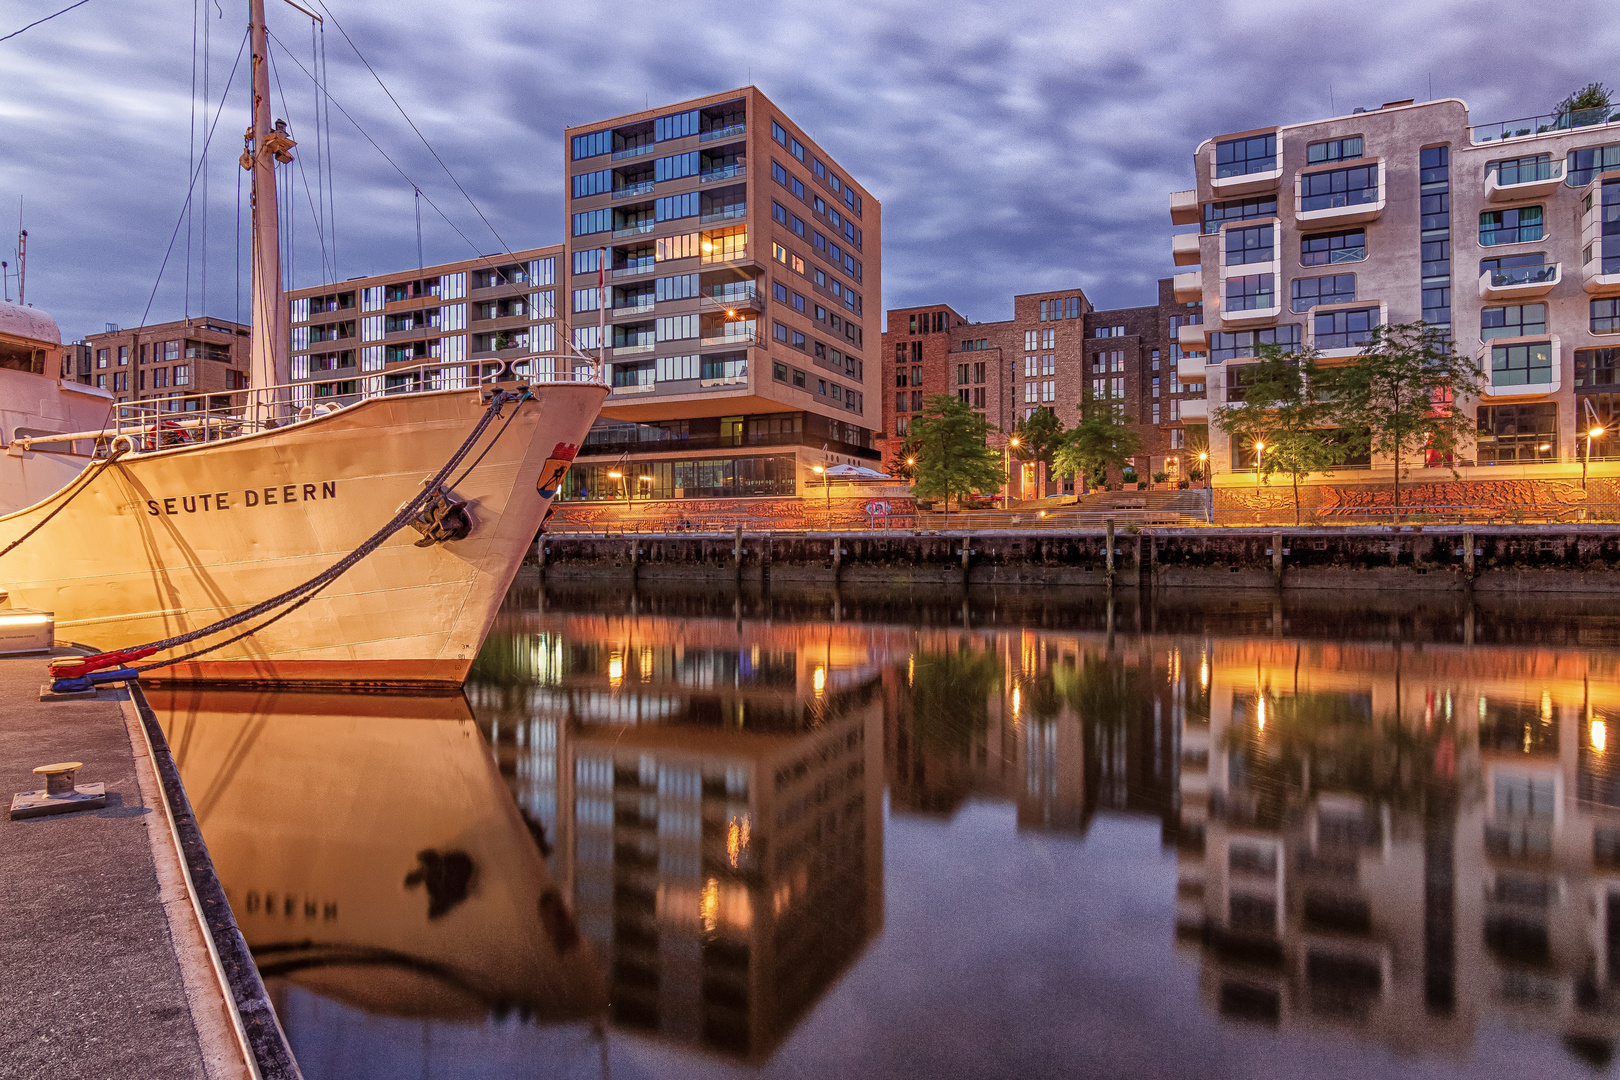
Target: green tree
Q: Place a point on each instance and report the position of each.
(1102, 440)
(1282, 410)
(1402, 391)
(1038, 439)
(952, 457)
(1591, 96)
(903, 462)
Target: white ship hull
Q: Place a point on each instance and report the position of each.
(164, 542)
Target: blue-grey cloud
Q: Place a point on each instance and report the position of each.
(1015, 147)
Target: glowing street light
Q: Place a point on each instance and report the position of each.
(1259, 458)
(826, 484)
(1597, 432)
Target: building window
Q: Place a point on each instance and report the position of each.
(963, 374)
(1512, 433)
(1596, 368)
(916, 376)
(900, 402)
(1242, 343)
(123, 356)
(1049, 364)
(1324, 249)
(1344, 329)
(1333, 150)
(1515, 320)
(1309, 292)
(1585, 164)
(1030, 339)
(1521, 170)
(101, 357)
(902, 425)
(1251, 292)
(1606, 316)
(1338, 187)
(1155, 412)
(1239, 157)
(1515, 226)
(182, 375)
(1523, 364)
(1238, 210)
(1250, 245)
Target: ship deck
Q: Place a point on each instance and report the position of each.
(108, 970)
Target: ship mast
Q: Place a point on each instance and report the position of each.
(266, 144)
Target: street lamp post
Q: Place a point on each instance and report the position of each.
(1595, 433)
(826, 485)
(1006, 468)
(1259, 458)
(1203, 466)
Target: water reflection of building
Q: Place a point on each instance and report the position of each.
(714, 802)
(1061, 724)
(1408, 844)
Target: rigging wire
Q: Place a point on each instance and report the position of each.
(46, 19)
(478, 256)
(504, 246)
(320, 233)
(331, 186)
(208, 56)
(191, 165)
(173, 236)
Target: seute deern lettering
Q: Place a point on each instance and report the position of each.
(230, 500)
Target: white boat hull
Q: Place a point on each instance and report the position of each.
(165, 542)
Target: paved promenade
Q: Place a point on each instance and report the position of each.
(104, 970)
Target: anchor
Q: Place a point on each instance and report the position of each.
(446, 517)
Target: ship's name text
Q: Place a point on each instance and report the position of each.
(231, 500)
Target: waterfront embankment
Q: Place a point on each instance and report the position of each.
(116, 958)
(1494, 558)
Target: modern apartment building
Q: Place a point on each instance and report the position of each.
(1053, 349)
(730, 258)
(1505, 233)
(167, 362)
(366, 334)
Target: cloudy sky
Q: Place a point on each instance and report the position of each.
(1015, 146)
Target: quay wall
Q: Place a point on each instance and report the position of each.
(1508, 559)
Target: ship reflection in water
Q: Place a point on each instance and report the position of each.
(875, 835)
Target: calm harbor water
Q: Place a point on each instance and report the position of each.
(1003, 833)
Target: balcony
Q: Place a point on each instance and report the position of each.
(632, 350)
(643, 266)
(727, 172)
(749, 301)
(727, 132)
(1519, 281)
(633, 152)
(728, 340)
(635, 230)
(1192, 369)
(1184, 208)
(1253, 183)
(1195, 410)
(730, 213)
(636, 307)
(1547, 123)
(1189, 287)
(1192, 337)
(635, 388)
(643, 188)
(1595, 281)
(1184, 249)
(1351, 206)
(725, 442)
(1525, 182)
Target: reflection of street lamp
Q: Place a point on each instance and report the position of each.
(644, 480)
(615, 474)
(1259, 458)
(1595, 433)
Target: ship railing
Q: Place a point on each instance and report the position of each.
(210, 416)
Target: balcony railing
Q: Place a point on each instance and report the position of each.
(725, 172)
(633, 152)
(722, 442)
(730, 213)
(635, 230)
(637, 306)
(739, 340)
(749, 301)
(632, 350)
(723, 133)
(1546, 122)
(1524, 275)
(643, 188)
(645, 266)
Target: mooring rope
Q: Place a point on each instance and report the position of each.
(83, 480)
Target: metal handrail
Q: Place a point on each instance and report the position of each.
(156, 423)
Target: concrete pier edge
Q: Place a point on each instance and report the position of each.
(263, 1042)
